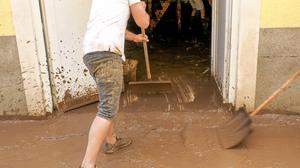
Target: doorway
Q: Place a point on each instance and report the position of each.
(181, 54)
(71, 82)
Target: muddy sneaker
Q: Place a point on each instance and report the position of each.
(120, 143)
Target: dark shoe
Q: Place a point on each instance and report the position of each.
(120, 143)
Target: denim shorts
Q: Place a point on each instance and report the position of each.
(107, 70)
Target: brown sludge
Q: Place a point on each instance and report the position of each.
(170, 131)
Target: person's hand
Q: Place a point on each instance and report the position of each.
(140, 38)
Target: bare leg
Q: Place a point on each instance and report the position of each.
(111, 136)
(202, 12)
(98, 131)
(193, 12)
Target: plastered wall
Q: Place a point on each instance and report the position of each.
(279, 53)
(12, 96)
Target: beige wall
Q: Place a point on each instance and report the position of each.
(280, 14)
(6, 20)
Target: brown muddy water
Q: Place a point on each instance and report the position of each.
(169, 131)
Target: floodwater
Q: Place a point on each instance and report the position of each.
(174, 130)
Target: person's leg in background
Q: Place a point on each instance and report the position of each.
(185, 20)
(197, 28)
(196, 19)
(208, 19)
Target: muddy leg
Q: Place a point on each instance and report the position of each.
(111, 136)
(98, 131)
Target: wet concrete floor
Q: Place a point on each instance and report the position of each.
(167, 134)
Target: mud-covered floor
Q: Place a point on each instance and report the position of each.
(186, 65)
(170, 131)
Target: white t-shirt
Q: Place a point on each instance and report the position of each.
(107, 25)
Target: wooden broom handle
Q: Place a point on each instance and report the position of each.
(146, 56)
(276, 93)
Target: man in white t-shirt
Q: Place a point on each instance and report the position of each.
(103, 55)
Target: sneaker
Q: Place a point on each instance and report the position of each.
(120, 143)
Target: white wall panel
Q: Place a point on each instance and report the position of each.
(65, 25)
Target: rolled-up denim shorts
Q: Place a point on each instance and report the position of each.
(107, 70)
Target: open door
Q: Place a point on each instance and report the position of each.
(223, 58)
(235, 37)
(64, 28)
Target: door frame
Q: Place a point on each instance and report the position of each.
(241, 51)
(222, 85)
(33, 57)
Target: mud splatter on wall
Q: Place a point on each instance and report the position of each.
(71, 81)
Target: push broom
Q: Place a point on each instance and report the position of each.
(149, 85)
(236, 130)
